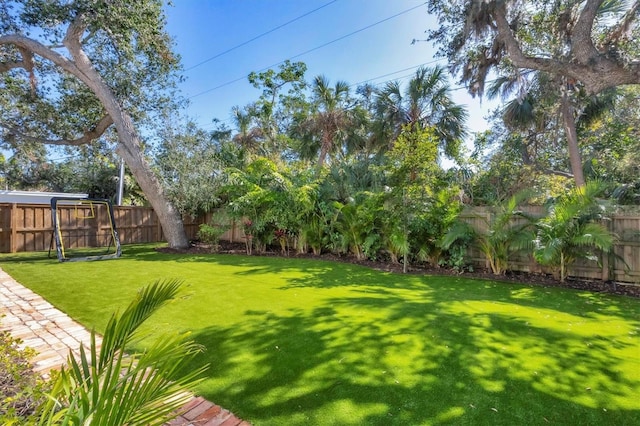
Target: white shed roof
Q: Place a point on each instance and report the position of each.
(34, 197)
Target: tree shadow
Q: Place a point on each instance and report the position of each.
(408, 357)
(383, 348)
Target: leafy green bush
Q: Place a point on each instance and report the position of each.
(108, 386)
(430, 222)
(21, 389)
(502, 235)
(210, 234)
(573, 229)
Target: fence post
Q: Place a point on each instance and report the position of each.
(13, 243)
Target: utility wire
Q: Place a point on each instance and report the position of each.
(394, 72)
(259, 36)
(310, 50)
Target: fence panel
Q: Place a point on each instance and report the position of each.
(137, 225)
(28, 227)
(626, 260)
(621, 265)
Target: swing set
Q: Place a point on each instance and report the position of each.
(80, 223)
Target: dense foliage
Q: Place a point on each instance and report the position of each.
(22, 391)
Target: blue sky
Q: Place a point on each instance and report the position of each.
(203, 29)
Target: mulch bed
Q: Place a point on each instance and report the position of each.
(597, 286)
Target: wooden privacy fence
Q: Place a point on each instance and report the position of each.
(622, 265)
(28, 227)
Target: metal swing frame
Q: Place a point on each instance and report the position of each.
(56, 234)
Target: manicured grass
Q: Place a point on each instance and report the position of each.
(294, 341)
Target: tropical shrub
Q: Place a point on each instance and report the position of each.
(572, 229)
(21, 389)
(395, 237)
(503, 235)
(315, 230)
(356, 226)
(431, 222)
(210, 234)
(108, 386)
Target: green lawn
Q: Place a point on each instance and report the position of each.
(303, 342)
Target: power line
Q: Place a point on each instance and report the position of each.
(394, 72)
(259, 36)
(309, 51)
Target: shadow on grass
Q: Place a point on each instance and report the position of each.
(424, 351)
(381, 348)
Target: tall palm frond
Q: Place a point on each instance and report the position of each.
(107, 386)
(326, 130)
(572, 229)
(507, 231)
(425, 102)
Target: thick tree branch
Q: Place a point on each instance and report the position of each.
(37, 48)
(6, 66)
(87, 137)
(73, 42)
(582, 47)
(516, 55)
(587, 69)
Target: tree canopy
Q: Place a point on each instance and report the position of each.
(586, 47)
(583, 41)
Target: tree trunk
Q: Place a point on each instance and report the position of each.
(575, 158)
(129, 149)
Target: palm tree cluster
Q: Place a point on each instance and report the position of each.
(323, 168)
(335, 124)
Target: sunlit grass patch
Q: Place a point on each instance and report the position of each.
(294, 341)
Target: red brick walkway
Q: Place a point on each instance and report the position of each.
(52, 334)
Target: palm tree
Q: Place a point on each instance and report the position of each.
(108, 386)
(248, 137)
(327, 128)
(425, 102)
(506, 232)
(571, 230)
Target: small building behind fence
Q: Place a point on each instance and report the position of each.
(34, 197)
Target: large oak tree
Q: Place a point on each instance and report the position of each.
(71, 70)
(588, 45)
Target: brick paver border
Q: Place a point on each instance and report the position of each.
(52, 334)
